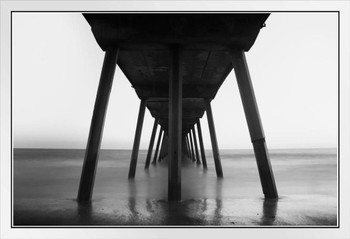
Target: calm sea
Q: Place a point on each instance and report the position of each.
(48, 179)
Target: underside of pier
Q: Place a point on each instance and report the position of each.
(176, 63)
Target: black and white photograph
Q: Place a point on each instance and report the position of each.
(123, 119)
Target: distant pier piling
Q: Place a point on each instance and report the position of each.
(151, 143)
(136, 146)
(201, 144)
(155, 157)
(195, 145)
(192, 147)
(188, 147)
(214, 141)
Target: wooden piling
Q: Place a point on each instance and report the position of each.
(157, 146)
(254, 124)
(214, 142)
(151, 143)
(175, 127)
(188, 147)
(183, 146)
(196, 145)
(187, 150)
(163, 148)
(201, 145)
(184, 153)
(166, 149)
(87, 178)
(135, 148)
(192, 147)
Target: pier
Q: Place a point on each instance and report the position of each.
(176, 63)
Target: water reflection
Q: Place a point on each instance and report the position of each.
(218, 209)
(149, 206)
(269, 211)
(186, 212)
(163, 212)
(132, 200)
(84, 212)
(141, 210)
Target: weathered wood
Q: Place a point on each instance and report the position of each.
(254, 124)
(150, 147)
(175, 127)
(214, 142)
(201, 145)
(96, 128)
(157, 146)
(135, 148)
(196, 145)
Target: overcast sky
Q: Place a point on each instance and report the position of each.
(57, 65)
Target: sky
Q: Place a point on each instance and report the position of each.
(57, 63)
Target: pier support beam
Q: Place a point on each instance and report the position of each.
(184, 153)
(151, 143)
(188, 147)
(254, 124)
(201, 145)
(196, 145)
(157, 146)
(175, 127)
(214, 142)
(192, 147)
(87, 178)
(135, 148)
(163, 148)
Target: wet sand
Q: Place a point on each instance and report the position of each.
(46, 184)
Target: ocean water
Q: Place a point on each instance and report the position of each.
(46, 181)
